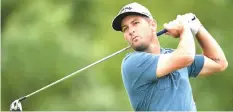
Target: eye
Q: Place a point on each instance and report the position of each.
(124, 29)
(136, 22)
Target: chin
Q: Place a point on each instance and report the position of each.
(140, 48)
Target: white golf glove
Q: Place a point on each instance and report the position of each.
(192, 22)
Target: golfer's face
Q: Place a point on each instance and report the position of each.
(137, 31)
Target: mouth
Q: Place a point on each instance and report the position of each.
(134, 38)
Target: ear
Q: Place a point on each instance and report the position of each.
(154, 25)
(125, 38)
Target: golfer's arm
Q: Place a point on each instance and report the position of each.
(215, 59)
(181, 57)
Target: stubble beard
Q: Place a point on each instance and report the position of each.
(140, 48)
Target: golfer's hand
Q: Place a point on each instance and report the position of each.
(192, 22)
(176, 27)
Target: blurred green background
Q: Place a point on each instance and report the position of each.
(45, 40)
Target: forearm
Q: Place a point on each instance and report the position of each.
(210, 47)
(183, 56)
(187, 44)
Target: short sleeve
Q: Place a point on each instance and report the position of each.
(140, 67)
(195, 68)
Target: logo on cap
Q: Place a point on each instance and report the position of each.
(125, 9)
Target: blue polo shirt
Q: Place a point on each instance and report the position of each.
(146, 92)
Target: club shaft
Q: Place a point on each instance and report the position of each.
(80, 70)
(88, 66)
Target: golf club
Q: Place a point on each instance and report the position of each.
(16, 105)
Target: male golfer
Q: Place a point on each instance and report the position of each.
(157, 79)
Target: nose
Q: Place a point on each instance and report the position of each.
(131, 31)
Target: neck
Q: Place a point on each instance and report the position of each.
(154, 46)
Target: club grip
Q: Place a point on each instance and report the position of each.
(161, 32)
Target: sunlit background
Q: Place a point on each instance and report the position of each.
(45, 40)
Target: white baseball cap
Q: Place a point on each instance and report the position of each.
(130, 9)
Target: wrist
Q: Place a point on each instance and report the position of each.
(200, 30)
(184, 31)
(195, 27)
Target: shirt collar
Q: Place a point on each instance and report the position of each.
(162, 51)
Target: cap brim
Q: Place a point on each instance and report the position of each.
(116, 24)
